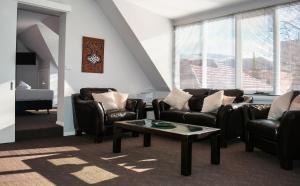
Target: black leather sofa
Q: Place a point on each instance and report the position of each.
(90, 117)
(279, 137)
(228, 118)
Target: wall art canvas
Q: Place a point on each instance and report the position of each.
(92, 55)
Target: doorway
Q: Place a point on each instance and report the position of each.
(39, 72)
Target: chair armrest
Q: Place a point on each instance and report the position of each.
(156, 108)
(231, 121)
(159, 106)
(137, 106)
(289, 137)
(88, 113)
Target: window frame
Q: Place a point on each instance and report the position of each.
(237, 18)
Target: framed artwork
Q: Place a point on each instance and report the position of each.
(92, 55)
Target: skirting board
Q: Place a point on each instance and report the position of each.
(61, 123)
(70, 133)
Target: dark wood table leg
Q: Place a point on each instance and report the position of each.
(186, 157)
(117, 140)
(215, 149)
(147, 140)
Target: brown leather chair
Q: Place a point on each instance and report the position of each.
(90, 117)
(279, 137)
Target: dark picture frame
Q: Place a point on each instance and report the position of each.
(92, 55)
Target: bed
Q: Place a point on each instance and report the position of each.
(34, 99)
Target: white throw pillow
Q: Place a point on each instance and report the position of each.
(121, 99)
(280, 105)
(107, 99)
(178, 99)
(228, 100)
(186, 107)
(23, 86)
(213, 102)
(295, 105)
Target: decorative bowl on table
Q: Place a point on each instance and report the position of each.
(163, 125)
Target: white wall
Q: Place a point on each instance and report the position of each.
(121, 70)
(53, 81)
(8, 22)
(155, 33)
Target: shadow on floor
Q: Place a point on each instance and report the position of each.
(37, 124)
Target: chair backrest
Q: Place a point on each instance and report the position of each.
(86, 93)
(296, 93)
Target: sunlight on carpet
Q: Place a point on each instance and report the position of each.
(133, 168)
(37, 151)
(67, 161)
(114, 157)
(94, 174)
(24, 179)
(148, 160)
(17, 163)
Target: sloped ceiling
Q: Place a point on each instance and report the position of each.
(36, 36)
(173, 9)
(132, 42)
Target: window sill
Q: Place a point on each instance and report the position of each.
(262, 99)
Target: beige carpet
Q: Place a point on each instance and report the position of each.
(79, 161)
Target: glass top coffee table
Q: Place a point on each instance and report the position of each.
(187, 134)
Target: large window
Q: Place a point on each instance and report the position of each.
(204, 53)
(289, 17)
(257, 51)
(219, 43)
(188, 55)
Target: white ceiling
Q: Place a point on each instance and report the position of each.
(173, 9)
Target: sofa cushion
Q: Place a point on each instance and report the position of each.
(295, 94)
(264, 128)
(200, 118)
(107, 99)
(119, 115)
(196, 103)
(280, 105)
(237, 93)
(228, 100)
(121, 99)
(295, 105)
(198, 92)
(86, 93)
(177, 99)
(213, 102)
(173, 115)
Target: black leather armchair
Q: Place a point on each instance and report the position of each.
(228, 118)
(279, 137)
(90, 117)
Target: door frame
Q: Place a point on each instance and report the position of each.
(61, 10)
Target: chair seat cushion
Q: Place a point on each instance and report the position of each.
(201, 118)
(119, 115)
(264, 128)
(173, 115)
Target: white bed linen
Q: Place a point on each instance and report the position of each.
(34, 94)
